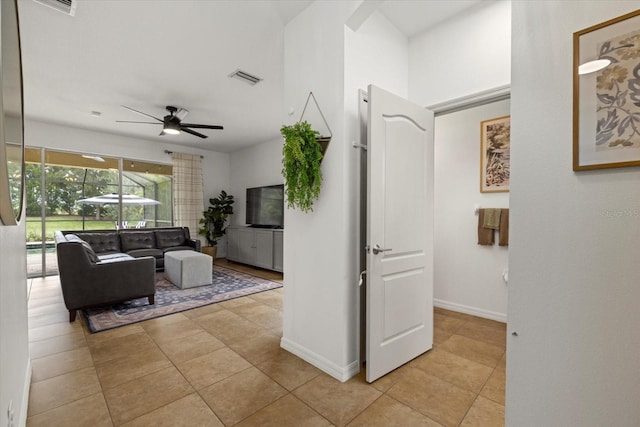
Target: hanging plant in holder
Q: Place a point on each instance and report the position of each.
(302, 154)
(301, 165)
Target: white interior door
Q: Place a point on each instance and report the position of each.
(399, 232)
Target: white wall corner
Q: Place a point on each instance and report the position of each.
(341, 373)
(314, 58)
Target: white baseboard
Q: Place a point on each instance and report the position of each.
(500, 317)
(338, 372)
(22, 421)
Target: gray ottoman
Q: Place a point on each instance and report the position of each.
(187, 269)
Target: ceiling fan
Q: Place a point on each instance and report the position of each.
(172, 122)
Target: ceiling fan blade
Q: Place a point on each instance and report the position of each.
(193, 125)
(140, 112)
(192, 132)
(146, 123)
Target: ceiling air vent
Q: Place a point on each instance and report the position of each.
(67, 7)
(245, 77)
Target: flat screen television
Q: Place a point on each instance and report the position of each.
(265, 206)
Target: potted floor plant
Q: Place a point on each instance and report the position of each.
(301, 157)
(213, 222)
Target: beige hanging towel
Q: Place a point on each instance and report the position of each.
(503, 239)
(492, 218)
(485, 235)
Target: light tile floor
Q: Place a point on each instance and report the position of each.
(221, 365)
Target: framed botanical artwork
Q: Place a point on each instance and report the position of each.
(606, 94)
(495, 144)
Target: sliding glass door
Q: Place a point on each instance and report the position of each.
(69, 191)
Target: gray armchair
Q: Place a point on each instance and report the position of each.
(89, 281)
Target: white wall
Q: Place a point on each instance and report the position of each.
(15, 367)
(317, 295)
(320, 318)
(462, 56)
(253, 167)
(574, 272)
(215, 165)
(376, 40)
(458, 58)
(468, 277)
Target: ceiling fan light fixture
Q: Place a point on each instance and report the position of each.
(171, 128)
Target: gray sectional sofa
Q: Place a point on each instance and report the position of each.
(135, 242)
(100, 267)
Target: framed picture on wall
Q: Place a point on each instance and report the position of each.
(606, 94)
(495, 143)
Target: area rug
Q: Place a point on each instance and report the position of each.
(226, 284)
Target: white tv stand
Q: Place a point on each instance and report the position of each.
(260, 247)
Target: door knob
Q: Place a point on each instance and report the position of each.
(377, 249)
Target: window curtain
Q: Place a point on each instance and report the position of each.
(188, 191)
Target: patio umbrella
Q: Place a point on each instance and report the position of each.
(112, 199)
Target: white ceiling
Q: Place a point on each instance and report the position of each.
(150, 54)
(415, 16)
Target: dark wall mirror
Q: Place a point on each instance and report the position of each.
(11, 116)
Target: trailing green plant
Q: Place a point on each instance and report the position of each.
(301, 156)
(214, 218)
